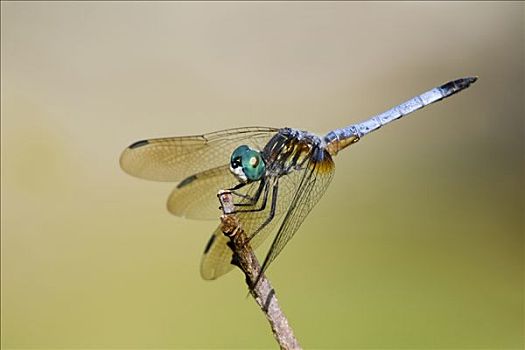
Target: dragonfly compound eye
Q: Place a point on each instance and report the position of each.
(247, 164)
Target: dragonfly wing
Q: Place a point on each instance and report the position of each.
(217, 257)
(307, 192)
(176, 158)
(196, 196)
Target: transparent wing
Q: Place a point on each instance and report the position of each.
(196, 196)
(310, 189)
(217, 257)
(176, 158)
(216, 260)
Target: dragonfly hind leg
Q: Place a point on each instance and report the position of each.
(252, 200)
(271, 215)
(264, 187)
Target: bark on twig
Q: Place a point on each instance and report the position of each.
(245, 259)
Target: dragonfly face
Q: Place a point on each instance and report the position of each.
(247, 164)
(277, 175)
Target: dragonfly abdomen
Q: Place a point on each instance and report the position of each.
(338, 139)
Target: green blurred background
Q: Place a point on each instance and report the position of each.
(418, 242)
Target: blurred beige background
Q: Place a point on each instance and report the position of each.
(418, 242)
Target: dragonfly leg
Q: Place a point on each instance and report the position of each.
(271, 215)
(251, 199)
(255, 200)
(237, 187)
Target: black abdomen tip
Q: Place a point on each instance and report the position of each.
(457, 85)
(464, 82)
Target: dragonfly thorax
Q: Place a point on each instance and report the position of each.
(247, 164)
(290, 150)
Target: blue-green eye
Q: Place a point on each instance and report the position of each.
(247, 164)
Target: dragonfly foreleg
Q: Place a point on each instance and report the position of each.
(251, 200)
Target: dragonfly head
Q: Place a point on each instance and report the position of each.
(247, 164)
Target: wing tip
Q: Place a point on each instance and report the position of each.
(209, 273)
(187, 181)
(138, 144)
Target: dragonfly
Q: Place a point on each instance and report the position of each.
(276, 175)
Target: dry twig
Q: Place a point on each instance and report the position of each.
(245, 259)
